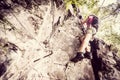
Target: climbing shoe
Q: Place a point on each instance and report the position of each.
(79, 56)
(88, 55)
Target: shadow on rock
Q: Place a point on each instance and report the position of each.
(105, 61)
(2, 69)
(5, 54)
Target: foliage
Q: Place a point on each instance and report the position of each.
(109, 30)
(114, 39)
(89, 3)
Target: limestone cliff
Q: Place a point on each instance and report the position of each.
(38, 40)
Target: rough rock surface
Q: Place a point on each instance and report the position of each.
(105, 61)
(42, 40)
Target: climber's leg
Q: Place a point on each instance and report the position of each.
(85, 42)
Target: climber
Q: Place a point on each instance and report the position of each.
(91, 29)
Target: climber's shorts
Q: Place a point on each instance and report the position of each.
(91, 30)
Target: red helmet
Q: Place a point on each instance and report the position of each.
(92, 20)
(89, 20)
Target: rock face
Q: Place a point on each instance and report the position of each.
(105, 61)
(7, 53)
(38, 43)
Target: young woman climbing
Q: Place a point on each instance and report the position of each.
(92, 27)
